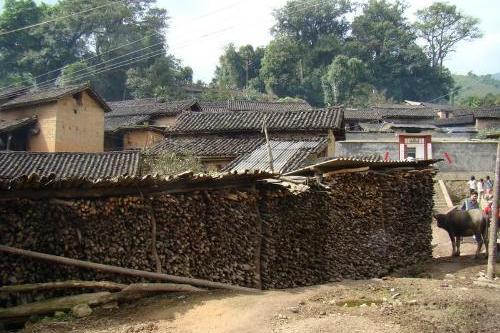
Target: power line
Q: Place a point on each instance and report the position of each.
(3, 33)
(47, 84)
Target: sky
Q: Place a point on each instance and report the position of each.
(199, 30)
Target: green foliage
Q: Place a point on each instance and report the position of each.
(163, 78)
(384, 40)
(111, 38)
(282, 68)
(239, 69)
(219, 93)
(169, 163)
(442, 26)
(476, 101)
(306, 21)
(474, 86)
(342, 79)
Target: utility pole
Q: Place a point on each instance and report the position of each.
(268, 144)
(492, 244)
(247, 63)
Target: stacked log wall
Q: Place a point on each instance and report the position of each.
(366, 225)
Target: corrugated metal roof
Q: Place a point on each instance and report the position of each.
(340, 163)
(287, 155)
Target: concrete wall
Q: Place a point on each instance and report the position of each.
(140, 138)
(45, 139)
(465, 156)
(80, 125)
(393, 136)
(348, 148)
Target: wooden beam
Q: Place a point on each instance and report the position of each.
(121, 270)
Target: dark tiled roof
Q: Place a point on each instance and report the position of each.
(288, 155)
(467, 119)
(251, 121)
(40, 96)
(139, 111)
(408, 112)
(9, 126)
(362, 115)
(487, 112)
(149, 106)
(240, 105)
(114, 123)
(68, 165)
(208, 146)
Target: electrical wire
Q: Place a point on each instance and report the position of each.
(3, 33)
(47, 82)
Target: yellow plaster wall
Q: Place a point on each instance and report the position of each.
(166, 121)
(45, 139)
(80, 126)
(140, 139)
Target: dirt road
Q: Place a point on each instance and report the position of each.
(440, 297)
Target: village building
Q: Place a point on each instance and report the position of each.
(228, 140)
(140, 123)
(57, 119)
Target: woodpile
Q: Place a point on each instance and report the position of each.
(366, 225)
(356, 225)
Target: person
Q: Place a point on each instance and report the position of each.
(471, 203)
(472, 184)
(480, 189)
(488, 187)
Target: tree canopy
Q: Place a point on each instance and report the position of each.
(108, 47)
(316, 43)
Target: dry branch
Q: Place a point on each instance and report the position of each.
(72, 284)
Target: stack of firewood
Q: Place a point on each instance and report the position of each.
(367, 225)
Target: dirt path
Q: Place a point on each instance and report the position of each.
(443, 299)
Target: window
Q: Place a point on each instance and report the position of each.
(411, 152)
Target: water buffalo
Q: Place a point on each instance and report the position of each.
(461, 223)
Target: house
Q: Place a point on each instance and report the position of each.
(220, 137)
(139, 123)
(56, 119)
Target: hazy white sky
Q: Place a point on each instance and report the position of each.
(199, 30)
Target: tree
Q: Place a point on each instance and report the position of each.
(237, 68)
(282, 68)
(101, 46)
(442, 26)
(305, 21)
(342, 79)
(385, 41)
(164, 78)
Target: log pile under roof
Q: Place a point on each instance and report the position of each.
(253, 233)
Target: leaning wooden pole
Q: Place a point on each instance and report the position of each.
(492, 245)
(121, 270)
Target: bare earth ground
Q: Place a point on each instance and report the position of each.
(440, 297)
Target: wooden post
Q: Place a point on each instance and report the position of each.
(121, 270)
(492, 245)
(269, 151)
